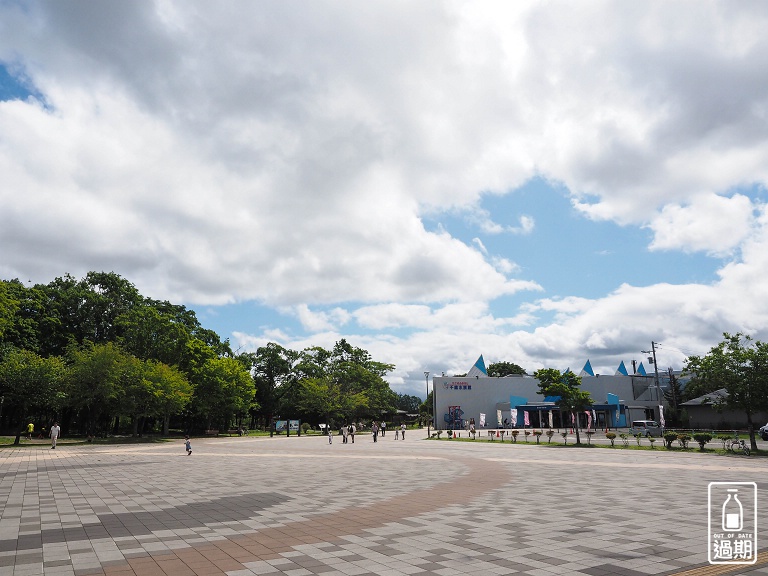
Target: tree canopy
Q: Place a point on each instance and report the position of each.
(96, 354)
(740, 366)
(566, 387)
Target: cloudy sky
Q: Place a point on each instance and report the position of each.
(542, 183)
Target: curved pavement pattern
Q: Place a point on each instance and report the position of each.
(299, 506)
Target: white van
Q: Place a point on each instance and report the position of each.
(646, 428)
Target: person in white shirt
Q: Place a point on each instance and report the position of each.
(402, 430)
(55, 432)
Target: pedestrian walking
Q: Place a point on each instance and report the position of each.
(397, 432)
(188, 445)
(330, 435)
(402, 431)
(352, 430)
(375, 431)
(344, 434)
(30, 430)
(383, 428)
(55, 432)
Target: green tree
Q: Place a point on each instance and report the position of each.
(173, 391)
(500, 369)
(408, 403)
(31, 384)
(566, 387)
(274, 375)
(740, 366)
(223, 388)
(97, 382)
(8, 308)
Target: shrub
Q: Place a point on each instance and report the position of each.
(550, 433)
(514, 435)
(612, 437)
(624, 439)
(670, 437)
(538, 434)
(683, 440)
(439, 432)
(305, 427)
(724, 438)
(589, 436)
(527, 433)
(565, 437)
(638, 437)
(702, 438)
(651, 439)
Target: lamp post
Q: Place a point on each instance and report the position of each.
(426, 381)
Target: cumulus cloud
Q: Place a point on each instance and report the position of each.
(713, 224)
(235, 152)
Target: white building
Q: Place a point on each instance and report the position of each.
(512, 401)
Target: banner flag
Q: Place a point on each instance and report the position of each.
(661, 416)
(526, 420)
(550, 418)
(482, 419)
(498, 418)
(513, 418)
(589, 419)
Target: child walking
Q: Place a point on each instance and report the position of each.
(188, 445)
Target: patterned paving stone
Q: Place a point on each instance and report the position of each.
(299, 506)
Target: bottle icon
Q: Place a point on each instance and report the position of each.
(733, 512)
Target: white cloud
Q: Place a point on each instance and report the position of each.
(712, 223)
(211, 155)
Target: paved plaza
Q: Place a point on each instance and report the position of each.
(299, 506)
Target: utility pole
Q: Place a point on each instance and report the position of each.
(655, 367)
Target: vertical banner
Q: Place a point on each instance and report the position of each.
(550, 418)
(498, 418)
(482, 419)
(526, 419)
(661, 416)
(513, 419)
(589, 419)
(732, 522)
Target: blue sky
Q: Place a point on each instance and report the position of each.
(429, 184)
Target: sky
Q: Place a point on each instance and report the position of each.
(543, 183)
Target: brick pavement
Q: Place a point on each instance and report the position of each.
(299, 506)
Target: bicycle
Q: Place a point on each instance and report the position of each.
(737, 445)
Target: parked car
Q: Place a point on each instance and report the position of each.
(646, 428)
(763, 432)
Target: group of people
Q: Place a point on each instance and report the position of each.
(53, 433)
(350, 430)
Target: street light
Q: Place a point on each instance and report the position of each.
(426, 380)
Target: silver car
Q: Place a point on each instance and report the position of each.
(763, 432)
(646, 428)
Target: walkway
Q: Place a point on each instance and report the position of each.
(299, 506)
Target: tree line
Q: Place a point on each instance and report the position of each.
(99, 357)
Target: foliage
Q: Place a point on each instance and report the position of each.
(514, 435)
(500, 369)
(589, 434)
(670, 437)
(612, 437)
(550, 433)
(624, 439)
(565, 437)
(702, 438)
(683, 440)
(740, 366)
(566, 387)
(538, 434)
(93, 351)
